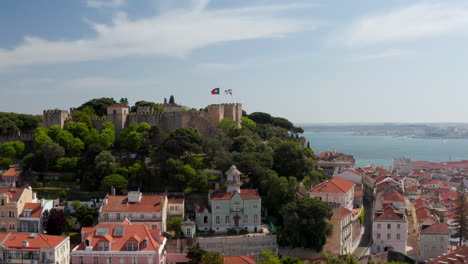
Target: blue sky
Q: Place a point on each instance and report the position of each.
(308, 61)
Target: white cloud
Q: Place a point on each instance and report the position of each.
(419, 20)
(175, 33)
(105, 3)
(381, 55)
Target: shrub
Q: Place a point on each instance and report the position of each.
(243, 232)
(232, 232)
(5, 163)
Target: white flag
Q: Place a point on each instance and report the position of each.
(228, 91)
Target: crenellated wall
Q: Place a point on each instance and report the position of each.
(55, 117)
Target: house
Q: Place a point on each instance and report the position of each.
(176, 208)
(458, 256)
(34, 248)
(395, 199)
(335, 190)
(455, 183)
(150, 210)
(432, 184)
(10, 177)
(231, 208)
(351, 175)
(426, 217)
(434, 241)
(390, 231)
(30, 220)
(238, 260)
(123, 242)
(412, 193)
(12, 203)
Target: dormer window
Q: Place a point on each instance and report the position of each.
(87, 242)
(132, 246)
(145, 243)
(103, 246)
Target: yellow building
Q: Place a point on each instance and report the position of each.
(12, 202)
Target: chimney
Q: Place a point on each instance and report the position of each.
(25, 243)
(112, 190)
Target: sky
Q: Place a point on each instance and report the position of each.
(323, 61)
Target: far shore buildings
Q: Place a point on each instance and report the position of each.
(389, 231)
(231, 208)
(335, 190)
(120, 243)
(138, 208)
(34, 248)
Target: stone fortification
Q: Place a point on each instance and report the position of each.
(172, 118)
(19, 137)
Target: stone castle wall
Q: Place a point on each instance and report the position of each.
(55, 117)
(19, 137)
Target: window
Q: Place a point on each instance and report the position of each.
(378, 235)
(11, 214)
(103, 246)
(130, 216)
(217, 219)
(441, 238)
(12, 226)
(398, 226)
(118, 216)
(96, 260)
(81, 260)
(398, 236)
(378, 249)
(108, 260)
(256, 219)
(205, 220)
(246, 219)
(378, 226)
(255, 205)
(106, 216)
(154, 215)
(389, 226)
(189, 232)
(134, 260)
(227, 219)
(142, 216)
(217, 206)
(389, 236)
(3, 201)
(145, 243)
(132, 246)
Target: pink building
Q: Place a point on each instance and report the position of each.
(120, 243)
(10, 177)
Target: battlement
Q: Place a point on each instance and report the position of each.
(104, 118)
(54, 111)
(18, 137)
(152, 114)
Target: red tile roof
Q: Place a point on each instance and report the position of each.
(419, 203)
(438, 228)
(119, 203)
(118, 241)
(390, 213)
(456, 180)
(12, 172)
(175, 201)
(423, 213)
(334, 185)
(448, 195)
(15, 240)
(458, 256)
(345, 212)
(238, 260)
(393, 196)
(36, 209)
(14, 193)
(246, 194)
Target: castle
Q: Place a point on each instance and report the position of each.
(171, 118)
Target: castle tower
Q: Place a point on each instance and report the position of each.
(215, 113)
(233, 112)
(117, 114)
(233, 181)
(55, 117)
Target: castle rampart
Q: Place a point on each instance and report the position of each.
(55, 117)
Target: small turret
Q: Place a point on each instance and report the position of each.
(233, 181)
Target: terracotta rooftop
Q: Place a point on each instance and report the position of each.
(423, 213)
(393, 196)
(119, 203)
(439, 228)
(175, 201)
(15, 240)
(334, 185)
(36, 209)
(390, 214)
(458, 256)
(119, 234)
(238, 260)
(12, 172)
(448, 195)
(246, 194)
(14, 193)
(345, 212)
(419, 203)
(456, 180)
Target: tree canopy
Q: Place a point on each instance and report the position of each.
(99, 105)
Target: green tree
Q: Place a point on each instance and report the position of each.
(8, 127)
(212, 258)
(51, 151)
(247, 122)
(268, 257)
(123, 101)
(40, 137)
(195, 254)
(78, 129)
(305, 223)
(174, 225)
(67, 164)
(105, 163)
(114, 180)
(183, 139)
(171, 99)
(86, 216)
(73, 146)
(227, 126)
(132, 141)
(143, 127)
(290, 260)
(461, 218)
(99, 105)
(283, 122)
(84, 115)
(7, 151)
(261, 118)
(156, 107)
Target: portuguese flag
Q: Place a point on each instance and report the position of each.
(215, 91)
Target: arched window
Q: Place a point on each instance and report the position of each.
(217, 219)
(188, 232)
(205, 220)
(246, 219)
(227, 219)
(255, 219)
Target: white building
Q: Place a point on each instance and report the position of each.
(231, 208)
(390, 231)
(336, 190)
(434, 241)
